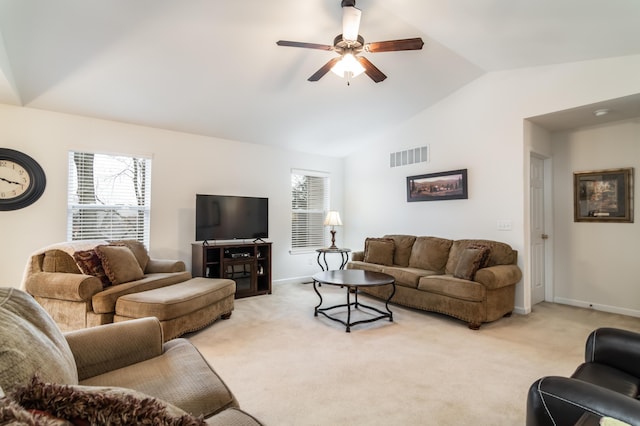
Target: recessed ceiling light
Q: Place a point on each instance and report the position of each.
(600, 112)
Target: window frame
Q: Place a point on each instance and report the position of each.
(122, 219)
(315, 237)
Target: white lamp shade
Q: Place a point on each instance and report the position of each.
(348, 66)
(332, 219)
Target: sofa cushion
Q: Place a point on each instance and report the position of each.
(407, 277)
(119, 263)
(99, 405)
(31, 343)
(448, 285)
(172, 377)
(90, 264)
(430, 253)
(403, 244)
(105, 301)
(364, 266)
(379, 251)
(138, 249)
(471, 259)
(608, 377)
(499, 253)
(59, 261)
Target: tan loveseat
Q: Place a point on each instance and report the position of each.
(473, 280)
(119, 373)
(79, 289)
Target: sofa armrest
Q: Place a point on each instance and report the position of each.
(498, 276)
(108, 347)
(616, 348)
(357, 256)
(164, 265)
(561, 401)
(63, 286)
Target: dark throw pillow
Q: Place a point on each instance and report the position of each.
(470, 261)
(99, 405)
(11, 413)
(90, 264)
(379, 251)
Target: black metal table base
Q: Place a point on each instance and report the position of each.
(322, 253)
(356, 305)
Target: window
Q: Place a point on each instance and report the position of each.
(309, 203)
(108, 197)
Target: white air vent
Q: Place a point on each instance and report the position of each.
(409, 156)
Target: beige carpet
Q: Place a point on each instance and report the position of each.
(288, 367)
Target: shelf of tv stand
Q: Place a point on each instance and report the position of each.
(248, 264)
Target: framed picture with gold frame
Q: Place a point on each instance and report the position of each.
(603, 196)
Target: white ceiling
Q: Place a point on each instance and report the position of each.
(213, 67)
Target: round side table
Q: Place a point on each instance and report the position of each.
(322, 253)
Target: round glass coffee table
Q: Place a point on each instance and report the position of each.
(352, 279)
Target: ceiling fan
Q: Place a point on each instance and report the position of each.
(350, 44)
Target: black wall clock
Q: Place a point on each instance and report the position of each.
(22, 180)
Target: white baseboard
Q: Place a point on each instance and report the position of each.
(521, 311)
(598, 307)
(296, 280)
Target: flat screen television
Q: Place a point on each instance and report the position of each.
(228, 217)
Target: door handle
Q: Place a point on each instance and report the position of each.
(544, 236)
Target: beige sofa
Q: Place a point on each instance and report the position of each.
(119, 373)
(472, 280)
(79, 284)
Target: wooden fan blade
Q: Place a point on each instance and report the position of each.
(394, 45)
(325, 69)
(304, 45)
(369, 69)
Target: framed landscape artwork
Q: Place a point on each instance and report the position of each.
(450, 185)
(603, 196)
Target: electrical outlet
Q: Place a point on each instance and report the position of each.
(504, 225)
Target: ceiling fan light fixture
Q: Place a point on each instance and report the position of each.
(350, 23)
(348, 66)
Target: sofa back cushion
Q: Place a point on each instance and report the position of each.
(403, 245)
(119, 263)
(430, 253)
(379, 251)
(138, 249)
(32, 343)
(59, 261)
(499, 253)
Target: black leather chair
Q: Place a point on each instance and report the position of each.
(606, 384)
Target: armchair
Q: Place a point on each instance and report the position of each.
(128, 357)
(607, 384)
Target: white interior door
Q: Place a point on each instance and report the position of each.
(538, 235)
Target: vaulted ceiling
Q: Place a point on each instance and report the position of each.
(213, 67)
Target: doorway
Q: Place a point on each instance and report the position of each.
(540, 216)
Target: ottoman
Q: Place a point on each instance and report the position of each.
(181, 308)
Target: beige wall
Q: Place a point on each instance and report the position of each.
(595, 264)
(183, 165)
(480, 128)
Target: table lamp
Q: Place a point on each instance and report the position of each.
(333, 220)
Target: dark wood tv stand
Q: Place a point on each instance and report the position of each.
(248, 264)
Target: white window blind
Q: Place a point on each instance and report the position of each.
(109, 197)
(309, 204)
